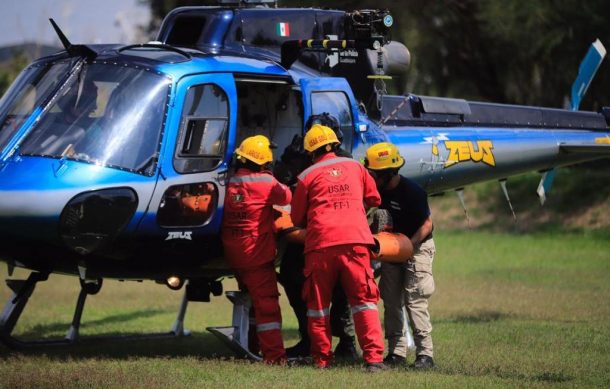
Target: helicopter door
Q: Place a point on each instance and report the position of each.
(332, 95)
(272, 108)
(199, 138)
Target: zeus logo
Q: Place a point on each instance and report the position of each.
(460, 151)
(179, 235)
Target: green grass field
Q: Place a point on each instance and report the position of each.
(509, 310)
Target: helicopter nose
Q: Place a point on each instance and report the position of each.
(91, 220)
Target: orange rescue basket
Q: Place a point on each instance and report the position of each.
(392, 247)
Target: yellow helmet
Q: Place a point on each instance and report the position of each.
(256, 149)
(383, 156)
(318, 136)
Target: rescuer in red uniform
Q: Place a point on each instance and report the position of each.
(329, 201)
(249, 242)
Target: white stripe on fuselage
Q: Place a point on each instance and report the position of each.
(50, 202)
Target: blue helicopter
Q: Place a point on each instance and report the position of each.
(114, 159)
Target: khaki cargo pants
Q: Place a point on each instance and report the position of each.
(408, 286)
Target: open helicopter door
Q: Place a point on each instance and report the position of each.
(332, 95)
(270, 107)
(186, 208)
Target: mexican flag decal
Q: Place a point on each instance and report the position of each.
(283, 29)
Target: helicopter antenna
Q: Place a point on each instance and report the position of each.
(64, 41)
(74, 50)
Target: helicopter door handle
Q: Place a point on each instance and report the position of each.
(222, 176)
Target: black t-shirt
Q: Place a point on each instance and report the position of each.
(408, 205)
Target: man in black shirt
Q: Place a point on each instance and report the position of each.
(407, 285)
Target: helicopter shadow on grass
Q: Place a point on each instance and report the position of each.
(41, 329)
(126, 345)
(118, 345)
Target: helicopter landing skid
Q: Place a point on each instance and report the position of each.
(236, 336)
(23, 289)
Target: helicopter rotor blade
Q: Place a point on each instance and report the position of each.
(586, 72)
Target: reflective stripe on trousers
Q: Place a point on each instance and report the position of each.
(318, 313)
(364, 307)
(274, 325)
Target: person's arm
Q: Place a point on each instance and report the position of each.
(422, 232)
(371, 194)
(280, 194)
(298, 207)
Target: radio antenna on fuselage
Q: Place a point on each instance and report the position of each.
(74, 50)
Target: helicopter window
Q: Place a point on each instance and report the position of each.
(187, 205)
(198, 130)
(192, 29)
(337, 104)
(106, 115)
(203, 130)
(186, 30)
(28, 92)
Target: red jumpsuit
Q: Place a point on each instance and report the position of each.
(329, 201)
(249, 247)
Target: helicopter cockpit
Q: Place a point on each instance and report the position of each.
(105, 114)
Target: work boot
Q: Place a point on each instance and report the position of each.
(375, 367)
(423, 362)
(346, 349)
(300, 362)
(299, 350)
(394, 360)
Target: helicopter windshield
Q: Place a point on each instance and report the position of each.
(28, 92)
(107, 115)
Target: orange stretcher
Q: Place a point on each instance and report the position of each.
(392, 247)
(389, 246)
(197, 204)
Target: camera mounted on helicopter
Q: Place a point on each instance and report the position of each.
(369, 27)
(364, 29)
